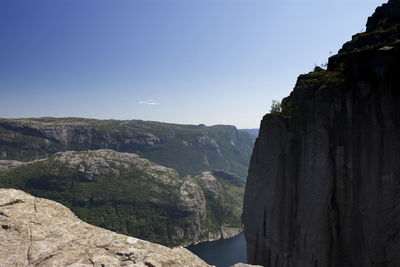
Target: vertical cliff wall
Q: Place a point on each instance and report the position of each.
(324, 180)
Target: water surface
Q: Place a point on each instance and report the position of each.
(222, 253)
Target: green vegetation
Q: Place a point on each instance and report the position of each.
(232, 185)
(224, 197)
(373, 39)
(130, 195)
(190, 149)
(320, 77)
(294, 107)
(275, 107)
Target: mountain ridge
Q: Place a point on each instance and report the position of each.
(189, 149)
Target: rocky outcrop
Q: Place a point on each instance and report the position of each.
(189, 149)
(40, 232)
(324, 180)
(134, 196)
(106, 162)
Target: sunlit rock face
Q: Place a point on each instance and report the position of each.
(40, 232)
(324, 180)
(133, 196)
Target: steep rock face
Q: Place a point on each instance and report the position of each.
(134, 196)
(40, 232)
(224, 197)
(324, 179)
(189, 149)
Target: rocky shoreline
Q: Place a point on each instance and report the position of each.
(225, 233)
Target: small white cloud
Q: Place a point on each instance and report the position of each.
(149, 102)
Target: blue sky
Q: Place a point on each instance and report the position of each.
(181, 61)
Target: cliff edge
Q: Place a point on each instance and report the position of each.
(40, 232)
(324, 180)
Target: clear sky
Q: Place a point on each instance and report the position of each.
(181, 61)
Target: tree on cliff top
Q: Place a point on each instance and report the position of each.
(275, 107)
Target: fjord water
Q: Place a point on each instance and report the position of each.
(223, 252)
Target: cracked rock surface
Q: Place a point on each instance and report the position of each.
(40, 232)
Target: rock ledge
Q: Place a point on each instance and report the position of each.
(37, 231)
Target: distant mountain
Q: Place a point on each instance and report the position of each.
(252, 132)
(134, 196)
(189, 149)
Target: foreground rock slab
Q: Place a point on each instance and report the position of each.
(40, 232)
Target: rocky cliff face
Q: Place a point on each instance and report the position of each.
(324, 179)
(39, 232)
(189, 149)
(134, 196)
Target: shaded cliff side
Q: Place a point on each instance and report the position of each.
(324, 180)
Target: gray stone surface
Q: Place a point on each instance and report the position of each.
(40, 232)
